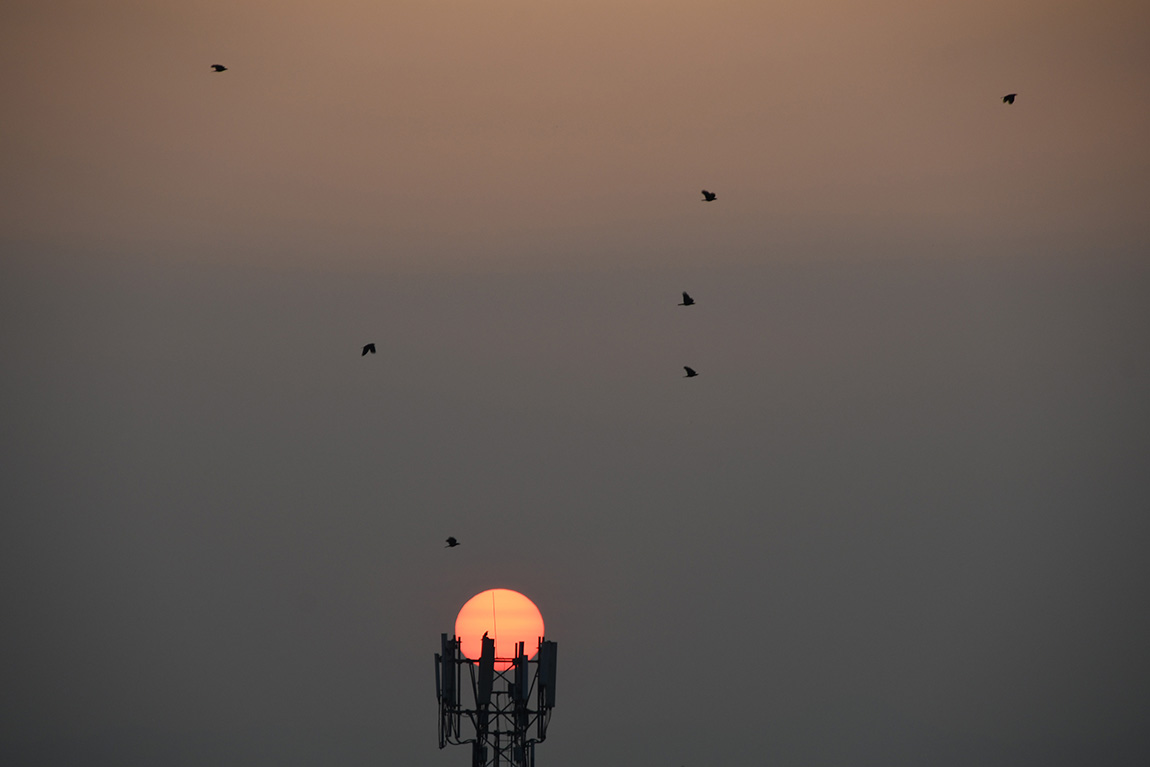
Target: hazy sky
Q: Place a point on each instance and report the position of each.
(901, 518)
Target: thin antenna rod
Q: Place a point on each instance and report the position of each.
(494, 622)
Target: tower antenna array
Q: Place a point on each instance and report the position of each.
(502, 714)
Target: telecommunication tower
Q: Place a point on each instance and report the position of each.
(507, 704)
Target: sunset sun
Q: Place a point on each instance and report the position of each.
(506, 616)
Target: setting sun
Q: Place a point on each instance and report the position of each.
(506, 616)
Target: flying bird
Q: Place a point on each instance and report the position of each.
(369, 349)
(709, 196)
(690, 372)
(219, 68)
(687, 300)
(1009, 98)
(451, 543)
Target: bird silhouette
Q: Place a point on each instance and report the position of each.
(369, 349)
(1009, 98)
(709, 196)
(451, 542)
(690, 372)
(219, 68)
(687, 300)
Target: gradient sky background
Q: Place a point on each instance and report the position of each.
(900, 518)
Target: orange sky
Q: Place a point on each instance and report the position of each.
(898, 518)
(462, 135)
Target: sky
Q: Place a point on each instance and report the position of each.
(899, 518)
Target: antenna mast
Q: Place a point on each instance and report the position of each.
(506, 712)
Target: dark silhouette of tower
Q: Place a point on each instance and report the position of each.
(504, 713)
